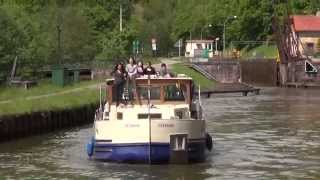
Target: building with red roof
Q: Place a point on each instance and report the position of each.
(307, 29)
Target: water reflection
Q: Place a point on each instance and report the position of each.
(271, 136)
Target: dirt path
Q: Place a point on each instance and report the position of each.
(167, 61)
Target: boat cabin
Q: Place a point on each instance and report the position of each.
(173, 90)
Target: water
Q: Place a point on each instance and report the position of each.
(275, 135)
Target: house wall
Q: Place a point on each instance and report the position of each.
(308, 37)
(191, 47)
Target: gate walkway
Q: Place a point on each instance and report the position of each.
(223, 88)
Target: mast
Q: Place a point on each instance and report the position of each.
(149, 106)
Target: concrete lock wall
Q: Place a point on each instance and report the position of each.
(23, 125)
(259, 72)
(225, 71)
(256, 71)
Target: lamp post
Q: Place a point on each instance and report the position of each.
(216, 52)
(209, 25)
(224, 32)
(120, 16)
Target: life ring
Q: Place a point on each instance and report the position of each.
(209, 142)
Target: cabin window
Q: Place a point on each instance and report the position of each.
(174, 92)
(152, 116)
(155, 116)
(154, 93)
(106, 116)
(181, 113)
(119, 115)
(142, 116)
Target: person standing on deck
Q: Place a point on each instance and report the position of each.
(119, 78)
(164, 71)
(140, 70)
(149, 70)
(131, 68)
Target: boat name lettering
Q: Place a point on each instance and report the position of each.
(132, 125)
(164, 125)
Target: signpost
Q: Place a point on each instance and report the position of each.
(179, 44)
(135, 47)
(154, 46)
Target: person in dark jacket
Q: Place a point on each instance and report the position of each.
(140, 69)
(119, 80)
(149, 70)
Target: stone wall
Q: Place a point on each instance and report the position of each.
(259, 72)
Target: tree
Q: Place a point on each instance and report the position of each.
(11, 42)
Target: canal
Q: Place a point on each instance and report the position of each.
(275, 135)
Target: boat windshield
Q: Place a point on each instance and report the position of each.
(143, 93)
(174, 93)
(163, 92)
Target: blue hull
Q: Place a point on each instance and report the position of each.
(139, 152)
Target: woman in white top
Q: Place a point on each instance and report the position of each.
(131, 69)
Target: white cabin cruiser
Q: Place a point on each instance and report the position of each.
(164, 125)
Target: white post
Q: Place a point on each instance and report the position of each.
(224, 37)
(120, 17)
(100, 97)
(149, 106)
(216, 52)
(180, 47)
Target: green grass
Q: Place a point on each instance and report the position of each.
(196, 76)
(153, 60)
(44, 87)
(20, 101)
(265, 51)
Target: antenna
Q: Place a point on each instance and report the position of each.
(199, 94)
(100, 97)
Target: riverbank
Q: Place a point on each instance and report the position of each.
(27, 124)
(46, 107)
(47, 97)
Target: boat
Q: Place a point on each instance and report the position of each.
(164, 125)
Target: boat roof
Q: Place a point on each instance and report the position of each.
(154, 77)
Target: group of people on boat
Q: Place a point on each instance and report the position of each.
(125, 75)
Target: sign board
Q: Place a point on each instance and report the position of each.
(135, 46)
(178, 44)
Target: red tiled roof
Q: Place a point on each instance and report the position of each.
(306, 23)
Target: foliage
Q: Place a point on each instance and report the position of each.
(90, 29)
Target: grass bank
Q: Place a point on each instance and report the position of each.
(47, 97)
(263, 51)
(196, 76)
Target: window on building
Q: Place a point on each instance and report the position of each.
(310, 45)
